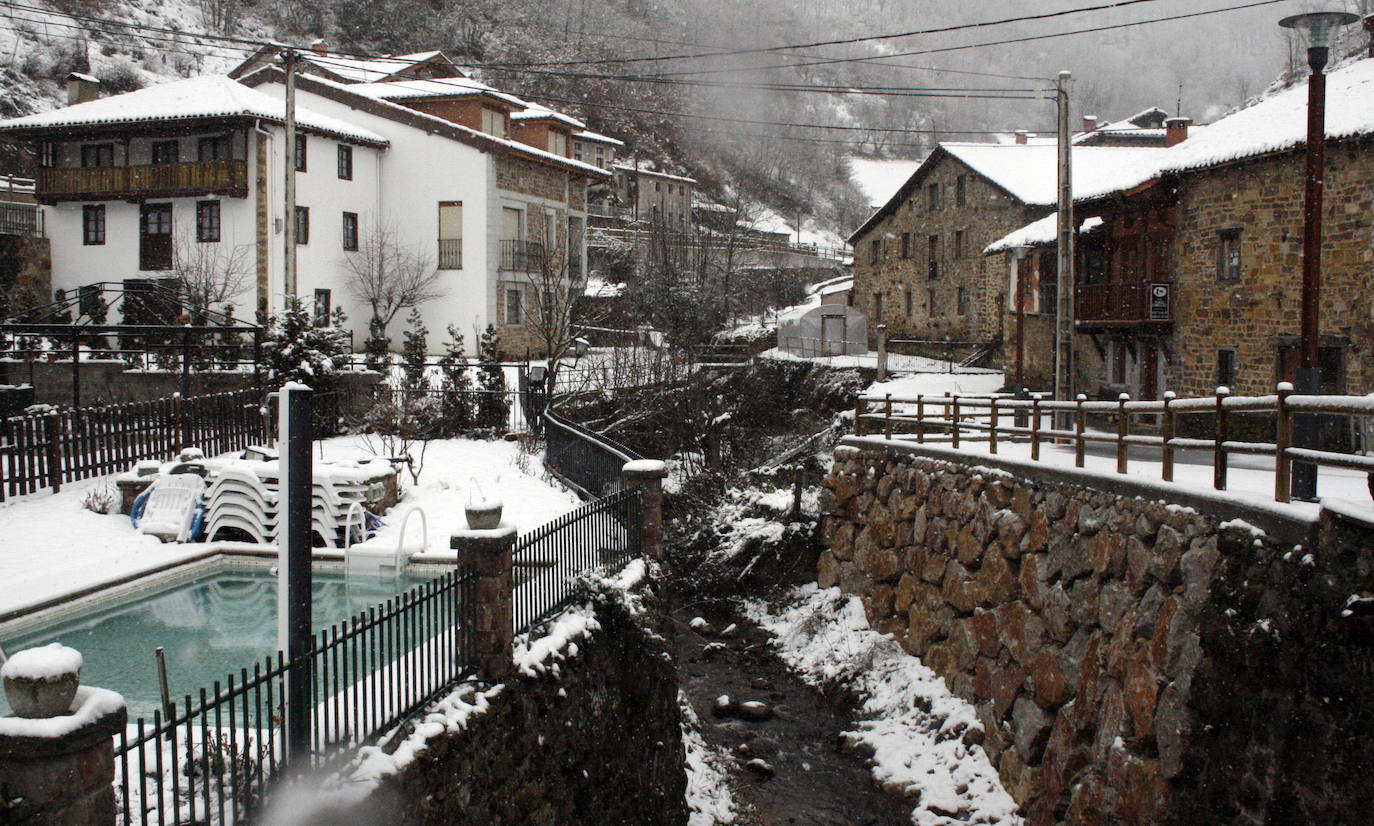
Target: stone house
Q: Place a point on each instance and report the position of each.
(1191, 276)
(919, 266)
(656, 197)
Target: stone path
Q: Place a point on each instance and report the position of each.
(813, 782)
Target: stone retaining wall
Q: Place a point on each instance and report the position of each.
(1131, 661)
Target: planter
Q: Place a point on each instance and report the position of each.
(484, 516)
(41, 682)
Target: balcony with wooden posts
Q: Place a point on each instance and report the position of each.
(165, 180)
(1123, 304)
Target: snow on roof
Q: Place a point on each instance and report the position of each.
(367, 71)
(596, 137)
(211, 96)
(535, 111)
(624, 168)
(83, 76)
(1031, 172)
(879, 180)
(1277, 123)
(433, 88)
(1044, 231)
(832, 285)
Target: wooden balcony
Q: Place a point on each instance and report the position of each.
(168, 180)
(1123, 304)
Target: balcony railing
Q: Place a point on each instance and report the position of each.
(21, 219)
(521, 256)
(450, 253)
(1120, 303)
(110, 182)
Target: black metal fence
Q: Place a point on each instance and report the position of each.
(586, 460)
(212, 759)
(604, 534)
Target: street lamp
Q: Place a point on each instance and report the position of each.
(1320, 27)
(1021, 251)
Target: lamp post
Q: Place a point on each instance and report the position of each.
(1320, 27)
(1020, 251)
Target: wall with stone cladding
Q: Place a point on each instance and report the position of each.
(527, 178)
(1264, 200)
(1131, 662)
(988, 214)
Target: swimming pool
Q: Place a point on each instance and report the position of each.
(215, 618)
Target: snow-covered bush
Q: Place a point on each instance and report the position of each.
(296, 350)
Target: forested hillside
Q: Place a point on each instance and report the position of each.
(731, 120)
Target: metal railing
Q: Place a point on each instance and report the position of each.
(213, 758)
(586, 460)
(992, 418)
(450, 253)
(521, 256)
(600, 535)
(1127, 301)
(21, 219)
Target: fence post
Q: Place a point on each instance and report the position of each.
(860, 410)
(1123, 430)
(1167, 450)
(1283, 439)
(490, 553)
(647, 476)
(920, 417)
(1035, 427)
(992, 425)
(1218, 447)
(954, 422)
(887, 417)
(65, 778)
(882, 352)
(179, 414)
(53, 434)
(1080, 424)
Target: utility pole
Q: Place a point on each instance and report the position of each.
(290, 60)
(1063, 324)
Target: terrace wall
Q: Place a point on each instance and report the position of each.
(1131, 661)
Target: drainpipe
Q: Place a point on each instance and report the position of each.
(264, 300)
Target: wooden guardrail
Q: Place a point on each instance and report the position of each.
(997, 416)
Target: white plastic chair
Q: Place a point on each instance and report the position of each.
(170, 506)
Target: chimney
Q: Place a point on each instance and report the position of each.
(81, 88)
(1369, 27)
(1090, 123)
(1176, 130)
(319, 46)
(1021, 136)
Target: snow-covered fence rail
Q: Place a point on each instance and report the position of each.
(46, 450)
(991, 418)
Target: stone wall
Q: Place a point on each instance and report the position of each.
(529, 178)
(1131, 661)
(594, 740)
(987, 214)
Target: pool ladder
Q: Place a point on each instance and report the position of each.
(372, 561)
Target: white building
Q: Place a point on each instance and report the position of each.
(132, 182)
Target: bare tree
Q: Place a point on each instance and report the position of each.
(208, 274)
(389, 276)
(219, 15)
(558, 286)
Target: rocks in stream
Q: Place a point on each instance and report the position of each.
(752, 711)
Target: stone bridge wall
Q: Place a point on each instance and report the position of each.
(1131, 661)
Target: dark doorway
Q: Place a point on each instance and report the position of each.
(155, 237)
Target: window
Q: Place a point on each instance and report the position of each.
(958, 243)
(577, 150)
(658, 186)
(166, 152)
(878, 306)
(493, 122)
(933, 257)
(930, 302)
(97, 155)
(451, 236)
(933, 197)
(302, 225)
(350, 231)
(1049, 283)
(1118, 375)
(301, 153)
(1226, 367)
(207, 221)
(322, 309)
(214, 148)
(558, 143)
(906, 245)
(908, 300)
(345, 162)
(877, 250)
(1228, 255)
(962, 306)
(961, 190)
(601, 157)
(93, 224)
(47, 154)
(513, 307)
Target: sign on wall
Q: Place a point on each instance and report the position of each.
(1160, 295)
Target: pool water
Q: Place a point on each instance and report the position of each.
(214, 621)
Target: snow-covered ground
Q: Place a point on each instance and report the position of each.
(915, 729)
(931, 381)
(50, 545)
(895, 363)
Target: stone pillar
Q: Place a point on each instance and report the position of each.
(882, 352)
(67, 779)
(489, 553)
(647, 475)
